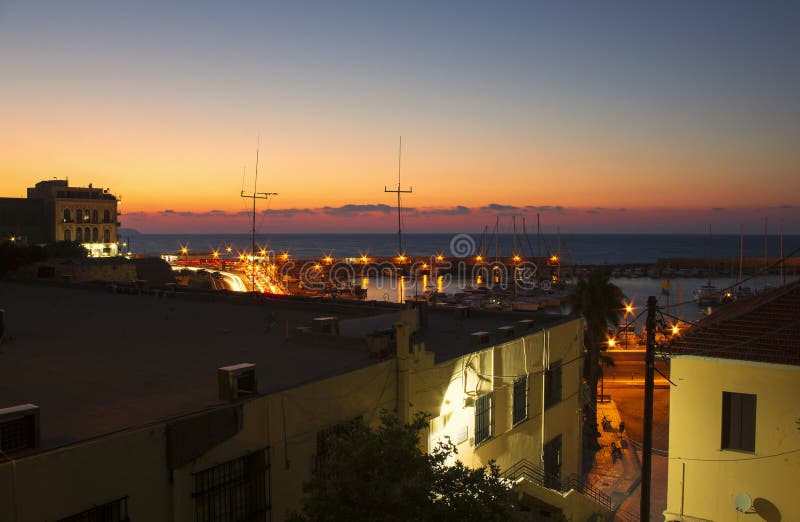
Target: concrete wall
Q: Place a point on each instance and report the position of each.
(705, 488)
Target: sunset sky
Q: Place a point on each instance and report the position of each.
(602, 116)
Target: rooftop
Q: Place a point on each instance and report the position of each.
(763, 328)
(97, 361)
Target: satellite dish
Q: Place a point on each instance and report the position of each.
(743, 502)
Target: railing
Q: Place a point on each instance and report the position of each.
(537, 475)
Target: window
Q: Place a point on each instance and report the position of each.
(79, 215)
(106, 236)
(116, 511)
(483, 418)
(520, 412)
(87, 235)
(552, 385)
(87, 216)
(79, 235)
(233, 491)
(94, 216)
(95, 235)
(67, 235)
(67, 216)
(738, 421)
(325, 439)
(106, 216)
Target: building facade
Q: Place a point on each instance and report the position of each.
(511, 393)
(55, 211)
(734, 434)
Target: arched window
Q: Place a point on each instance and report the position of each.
(94, 216)
(106, 236)
(67, 235)
(79, 234)
(67, 216)
(87, 216)
(79, 215)
(106, 216)
(87, 234)
(95, 235)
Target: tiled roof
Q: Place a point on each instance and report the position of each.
(763, 328)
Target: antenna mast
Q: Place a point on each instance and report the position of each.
(399, 191)
(254, 196)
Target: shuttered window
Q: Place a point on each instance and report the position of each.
(738, 421)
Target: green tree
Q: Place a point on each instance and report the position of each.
(601, 304)
(381, 474)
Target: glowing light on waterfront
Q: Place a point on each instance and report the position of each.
(628, 308)
(675, 329)
(612, 342)
(516, 257)
(479, 258)
(215, 254)
(184, 249)
(228, 249)
(439, 257)
(554, 258)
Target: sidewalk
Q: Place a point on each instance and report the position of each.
(616, 475)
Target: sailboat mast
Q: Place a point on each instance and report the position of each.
(741, 251)
(783, 277)
(709, 254)
(399, 191)
(399, 220)
(253, 234)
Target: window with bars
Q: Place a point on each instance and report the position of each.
(115, 511)
(325, 440)
(738, 421)
(552, 385)
(483, 418)
(234, 491)
(520, 411)
(18, 434)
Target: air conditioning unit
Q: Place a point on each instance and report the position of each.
(505, 332)
(461, 311)
(479, 339)
(525, 324)
(237, 381)
(325, 325)
(19, 428)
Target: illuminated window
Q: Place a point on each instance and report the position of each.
(552, 385)
(738, 421)
(520, 399)
(234, 490)
(87, 215)
(116, 511)
(67, 216)
(483, 418)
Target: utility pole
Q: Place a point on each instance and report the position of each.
(647, 443)
(254, 196)
(399, 191)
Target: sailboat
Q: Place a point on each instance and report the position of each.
(708, 294)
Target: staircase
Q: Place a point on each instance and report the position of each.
(538, 476)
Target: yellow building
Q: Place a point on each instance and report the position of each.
(734, 437)
(196, 407)
(87, 215)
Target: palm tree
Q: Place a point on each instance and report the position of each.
(601, 304)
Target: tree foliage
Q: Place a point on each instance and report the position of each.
(601, 304)
(381, 474)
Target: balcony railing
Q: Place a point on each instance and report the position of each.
(537, 475)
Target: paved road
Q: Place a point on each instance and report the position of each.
(629, 366)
